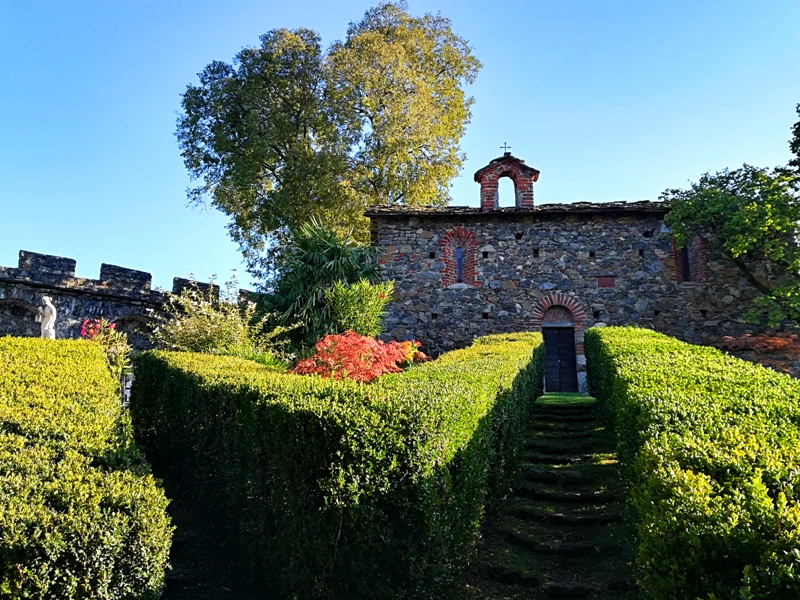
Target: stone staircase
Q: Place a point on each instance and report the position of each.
(560, 533)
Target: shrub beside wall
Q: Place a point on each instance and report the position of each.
(80, 516)
(711, 445)
(335, 489)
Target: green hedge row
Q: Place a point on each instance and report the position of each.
(80, 515)
(711, 446)
(334, 489)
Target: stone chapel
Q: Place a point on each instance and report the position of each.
(462, 272)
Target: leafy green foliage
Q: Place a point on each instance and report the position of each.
(399, 79)
(288, 132)
(358, 306)
(197, 321)
(313, 262)
(335, 489)
(711, 446)
(80, 515)
(794, 144)
(754, 214)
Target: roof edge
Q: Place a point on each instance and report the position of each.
(641, 206)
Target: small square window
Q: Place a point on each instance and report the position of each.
(486, 315)
(432, 255)
(485, 254)
(536, 253)
(591, 253)
(518, 235)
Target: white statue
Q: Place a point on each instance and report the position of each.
(48, 317)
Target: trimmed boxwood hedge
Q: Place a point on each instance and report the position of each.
(711, 447)
(80, 515)
(335, 489)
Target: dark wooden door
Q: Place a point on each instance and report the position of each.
(560, 368)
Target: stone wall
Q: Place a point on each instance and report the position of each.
(613, 262)
(121, 295)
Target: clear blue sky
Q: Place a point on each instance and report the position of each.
(610, 100)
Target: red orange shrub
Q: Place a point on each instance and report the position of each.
(358, 357)
(774, 349)
(783, 342)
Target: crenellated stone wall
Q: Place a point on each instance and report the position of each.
(121, 295)
(613, 263)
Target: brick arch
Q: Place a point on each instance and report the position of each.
(558, 299)
(20, 303)
(136, 318)
(135, 326)
(515, 169)
(464, 239)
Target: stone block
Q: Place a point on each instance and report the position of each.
(180, 283)
(38, 266)
(125, 280)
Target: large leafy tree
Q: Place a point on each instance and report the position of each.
(754, 214)
(289, 132)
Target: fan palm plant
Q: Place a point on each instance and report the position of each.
(314, 260)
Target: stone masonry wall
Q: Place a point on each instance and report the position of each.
(120, 295)
(617, 266)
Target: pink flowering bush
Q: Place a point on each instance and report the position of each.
(114, 343)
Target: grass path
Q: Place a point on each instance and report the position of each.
(561, 532)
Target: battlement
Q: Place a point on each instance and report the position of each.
(58, 273)
(120, 295)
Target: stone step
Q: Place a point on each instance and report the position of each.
(557, 417)
(568, 519)
(567, 590)
(563, 477)
(567, 408)
(515, 576)
(618, 584)
(559, 434)
(593, 497)
(544, 447)
(565, 549)
(547, 459)
(562, 428)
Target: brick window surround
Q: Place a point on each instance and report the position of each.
(696, 268)
(463, 239)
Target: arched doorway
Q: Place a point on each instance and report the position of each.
(18, 318)
(561, 365)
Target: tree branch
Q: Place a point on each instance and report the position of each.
(750, 277)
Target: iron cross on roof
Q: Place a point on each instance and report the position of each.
(505, 148)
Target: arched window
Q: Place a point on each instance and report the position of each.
(459, 255)
(686, 264)
(690, 263)
(506, 192)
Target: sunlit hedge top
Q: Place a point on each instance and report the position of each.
(58, 393)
